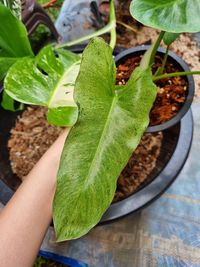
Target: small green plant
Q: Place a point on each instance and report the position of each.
(171, 18)
(40, 262)
(107, 120)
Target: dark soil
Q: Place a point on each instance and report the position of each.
(142, 162)
(171, 93)
(32, 136)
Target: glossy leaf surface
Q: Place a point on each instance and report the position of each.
(171, 16)
(14, 42)
(111, 122)
(46, 80)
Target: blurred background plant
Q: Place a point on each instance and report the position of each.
(42, 34)
(14, 5)
(42, 262)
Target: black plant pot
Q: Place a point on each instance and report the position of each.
(174, 151)
(181, 65)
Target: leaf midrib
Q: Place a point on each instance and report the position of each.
(97, 149)
(115, 98)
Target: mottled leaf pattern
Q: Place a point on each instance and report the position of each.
(111, 122)
(46, 80)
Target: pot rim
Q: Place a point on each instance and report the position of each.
(149, 193)
(191, 86)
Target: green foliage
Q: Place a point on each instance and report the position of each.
(42, 262)
(13, 35)
(111, 118)
(54, 9)
(14, 6)
(46, 80)
(42, 32)
(5, 63)
(174, 16)
(39, 37)
(170, 37)
(14, 42)
(9, 104)
(111, 122)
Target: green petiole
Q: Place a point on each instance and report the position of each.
(164, 60)
(110, 27)
(113, 34)
(149, 55)
(127, 26)
(174, 74)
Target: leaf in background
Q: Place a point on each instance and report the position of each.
(109, 127)
(9, 104)
(14, 41)
(170, 37)
(14, 6)
(47, 80)
(5, 64)
(171, 16)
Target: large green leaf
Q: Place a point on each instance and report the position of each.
(14, 6)
(171, 15)
(14, 41)
(46, 80)
(111, 122)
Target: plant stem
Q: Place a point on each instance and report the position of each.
(155, 47)
(105, 29)
(113, 38)
(110, 27)
(164, 60)
(174, 74)
(149, 55)
(157, 71)
(113, 34)
(126, 26)
(49, 3)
